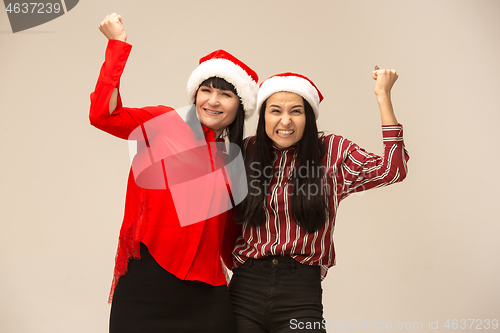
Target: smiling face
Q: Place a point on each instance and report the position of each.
(216, 108)
(285, 118)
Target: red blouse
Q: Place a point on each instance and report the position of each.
(191, 252)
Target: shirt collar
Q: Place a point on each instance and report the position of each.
(291, 148)
(210, 134)
(207, 131)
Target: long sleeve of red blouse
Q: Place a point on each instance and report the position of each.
(123, 120)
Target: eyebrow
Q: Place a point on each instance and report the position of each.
(212, 87)
(295, 106)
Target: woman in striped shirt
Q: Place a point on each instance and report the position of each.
(296, 180)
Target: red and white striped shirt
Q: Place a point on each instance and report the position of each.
(347, 169)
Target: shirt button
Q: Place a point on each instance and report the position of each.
(125, 49)
(268, 252)
(118, 68)
(114, 78)
(275, 261)
(122, 58)
(272, 213)
(274, 236)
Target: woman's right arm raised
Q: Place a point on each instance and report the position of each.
(112, 28)
(106, 110)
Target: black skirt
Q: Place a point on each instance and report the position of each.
(148, 299)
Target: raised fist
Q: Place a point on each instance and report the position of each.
(385, 79)
(112, 27)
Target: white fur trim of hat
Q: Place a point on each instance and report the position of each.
(290, 82)
(225, 66)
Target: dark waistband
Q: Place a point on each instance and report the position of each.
(280, 262)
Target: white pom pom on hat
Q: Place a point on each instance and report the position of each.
(291, 82)
(224, 65)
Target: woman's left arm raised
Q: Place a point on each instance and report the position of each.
(385, 79)
(362, 170)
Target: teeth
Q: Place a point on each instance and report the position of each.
(212, 112)
(285, 132)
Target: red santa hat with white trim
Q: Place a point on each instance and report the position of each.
(291, 82)
(224, 65)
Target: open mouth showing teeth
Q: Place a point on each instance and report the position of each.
(282, 132)
(213, 112)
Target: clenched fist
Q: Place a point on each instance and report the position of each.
(112, 27)
(385, 79)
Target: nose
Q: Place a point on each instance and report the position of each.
(214, 99)
(286, 120)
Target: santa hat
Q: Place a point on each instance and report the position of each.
(225, 66)
(291, 82)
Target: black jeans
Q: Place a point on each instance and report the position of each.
(276, 294)
(148, 299)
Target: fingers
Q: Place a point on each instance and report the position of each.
(112, 18)
(374, 73)
(390, 73)
(384, 80)
(112, 27)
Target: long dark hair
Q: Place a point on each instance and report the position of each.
(308, 210)
(236, 127)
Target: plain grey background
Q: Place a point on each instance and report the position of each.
(425, 250)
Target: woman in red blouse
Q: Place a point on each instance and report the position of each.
(168, 274)
(296, 180)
